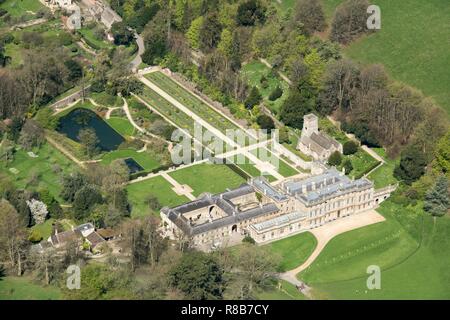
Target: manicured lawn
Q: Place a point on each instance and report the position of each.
(159, 187)
(17, 8)
(15, 288)
(121, 125)
(287, 291)
(347, 256)
(143, 158)
(253, 71)
(384, 175)
(213, 178)
(410, 44)
(294, 250)
(42, 167)
(422, 275)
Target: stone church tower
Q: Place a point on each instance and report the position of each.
(310, 125)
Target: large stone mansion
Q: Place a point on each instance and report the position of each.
(269, 212)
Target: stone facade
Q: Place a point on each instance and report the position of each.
(267, 212)
(315, 143)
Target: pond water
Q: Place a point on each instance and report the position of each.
(81, 118)
(133, 166)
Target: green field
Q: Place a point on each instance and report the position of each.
(41, 168)
(412, 44)
(17, 8)
(143, 158)
(121, 125)
(411, 249)
(158, 187)
(213, 178)
(253, 71)
(294, 250)
(15, 288)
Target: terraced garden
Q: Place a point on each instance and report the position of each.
(168, 110)
(190, 101)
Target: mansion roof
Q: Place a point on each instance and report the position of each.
(279, 221)
(322, 187)
(234, 214)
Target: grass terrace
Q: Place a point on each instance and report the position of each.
(190, 101)
(168, 110)
(159, 187)
(213, 178)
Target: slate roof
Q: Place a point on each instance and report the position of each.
(267, 189)
(319, 142)
(324, 186)
(223, 201)
(278, 221)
